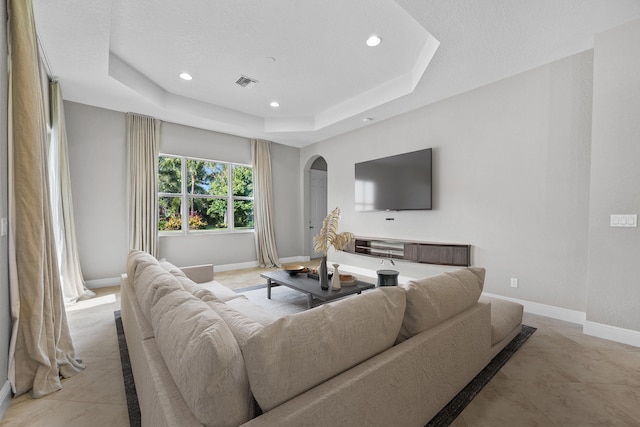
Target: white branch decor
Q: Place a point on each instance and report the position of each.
(329, 235)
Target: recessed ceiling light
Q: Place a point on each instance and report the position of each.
(374, 41)
(185, 76)
(274, 104)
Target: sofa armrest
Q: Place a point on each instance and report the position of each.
(199, 273)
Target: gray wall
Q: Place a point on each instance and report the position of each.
(97, 163)
(511, 176)
(5, 312)
(97, 152)
(613, 279)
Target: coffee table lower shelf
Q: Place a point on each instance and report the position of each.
(311, 287)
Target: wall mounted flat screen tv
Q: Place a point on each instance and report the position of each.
(395, 183)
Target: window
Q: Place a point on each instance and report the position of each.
(196, 195)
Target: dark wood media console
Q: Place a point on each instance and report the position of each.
(422, 252)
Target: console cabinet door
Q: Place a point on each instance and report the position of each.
(437, 254)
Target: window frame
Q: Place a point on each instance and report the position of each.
(184, 196)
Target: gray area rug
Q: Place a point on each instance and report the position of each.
(454, 408)
(127, 374)
(283, 300)
(287, 301)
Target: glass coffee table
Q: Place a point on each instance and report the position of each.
(315, 295)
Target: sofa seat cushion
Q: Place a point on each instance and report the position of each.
(297, 352)
(204, 359)
(432, 300)
(505, 317)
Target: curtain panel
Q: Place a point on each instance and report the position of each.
(73, 288)
(143, 142)
(41, 349)
(263, 204)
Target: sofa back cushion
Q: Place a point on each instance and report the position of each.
(252, 310)
(240, 325)
(297, 352)
(171, 268)
(214, 288)
(150, 283)
(138, 258)
(432, 300)
(204, 359)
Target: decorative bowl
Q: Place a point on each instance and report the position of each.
(348, 280)
(293, 269)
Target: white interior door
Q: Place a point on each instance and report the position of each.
(318, 205)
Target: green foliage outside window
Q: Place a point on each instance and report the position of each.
(207, 194)
(242, 186)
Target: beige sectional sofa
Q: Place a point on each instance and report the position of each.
(202, 354)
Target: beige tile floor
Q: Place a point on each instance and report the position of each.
(559, 378)
(94, 397)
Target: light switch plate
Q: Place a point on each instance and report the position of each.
(618, 220)
(3, 226)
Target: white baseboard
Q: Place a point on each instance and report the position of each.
(254, 264)
(5, 398)
(613, 333)
(295, 259)
(115, 281)
(102, 283)
(237, 266)
(554, 312)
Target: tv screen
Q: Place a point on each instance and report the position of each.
(395, 183)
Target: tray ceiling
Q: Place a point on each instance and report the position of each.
(309, 56)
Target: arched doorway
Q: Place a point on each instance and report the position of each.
(317, 201)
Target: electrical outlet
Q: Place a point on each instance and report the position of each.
(514, 282)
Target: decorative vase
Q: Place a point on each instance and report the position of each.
(324, 274)
(335, 280)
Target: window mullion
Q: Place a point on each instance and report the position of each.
(230, 206)
(185, 198)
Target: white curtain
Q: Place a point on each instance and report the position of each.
(64, 231)
(143, 141)
(263, 204)
(41, 349)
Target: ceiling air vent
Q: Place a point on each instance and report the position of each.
(247, 82)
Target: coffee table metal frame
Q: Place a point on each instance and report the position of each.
(301, 283)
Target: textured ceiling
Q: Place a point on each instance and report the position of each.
(309, 55)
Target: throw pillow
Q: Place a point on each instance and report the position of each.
(204, 359)
(433, 300)
(297, 352)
